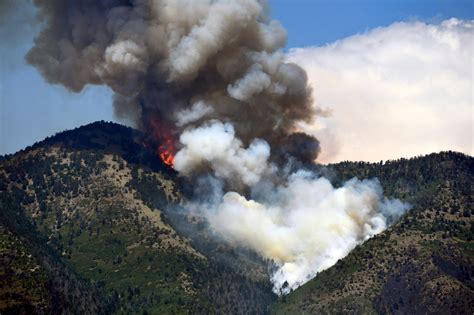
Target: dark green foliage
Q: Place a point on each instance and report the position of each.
(423, 264)
(87, 226)
(50, 285)
(95, 226)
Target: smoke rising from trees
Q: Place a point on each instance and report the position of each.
(211, 75)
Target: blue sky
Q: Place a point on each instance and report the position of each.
(31, 109)
(318, 22)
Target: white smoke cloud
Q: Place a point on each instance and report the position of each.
(305, 225)
(196, 112)
(212, 73)
(254, 81)
(214, 145)
(223, 20)
(401, 90)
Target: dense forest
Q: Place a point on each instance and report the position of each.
(88, 208)
(91, 222)
(423, 263)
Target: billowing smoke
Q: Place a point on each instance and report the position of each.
(304, 225)
(179, 62)
(207, 80)
(215, 144)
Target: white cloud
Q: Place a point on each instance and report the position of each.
(396, 91)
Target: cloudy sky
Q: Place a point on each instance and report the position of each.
(396, 77)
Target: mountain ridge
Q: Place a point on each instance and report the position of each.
(101, 203)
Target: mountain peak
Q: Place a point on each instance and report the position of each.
(94, 210)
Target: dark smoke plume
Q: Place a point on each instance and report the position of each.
(179, 63)
(208, 80)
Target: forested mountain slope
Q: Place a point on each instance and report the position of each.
(91, 222)
(422, 264)
(94, 198)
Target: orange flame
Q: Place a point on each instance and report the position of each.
(166, 152)
(164, 136)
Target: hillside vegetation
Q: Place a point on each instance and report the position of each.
(422, 264)
(91, 222)
(96, 198)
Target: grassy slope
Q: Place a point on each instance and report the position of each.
(423, 264)
(34, 278)
(22, 276)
